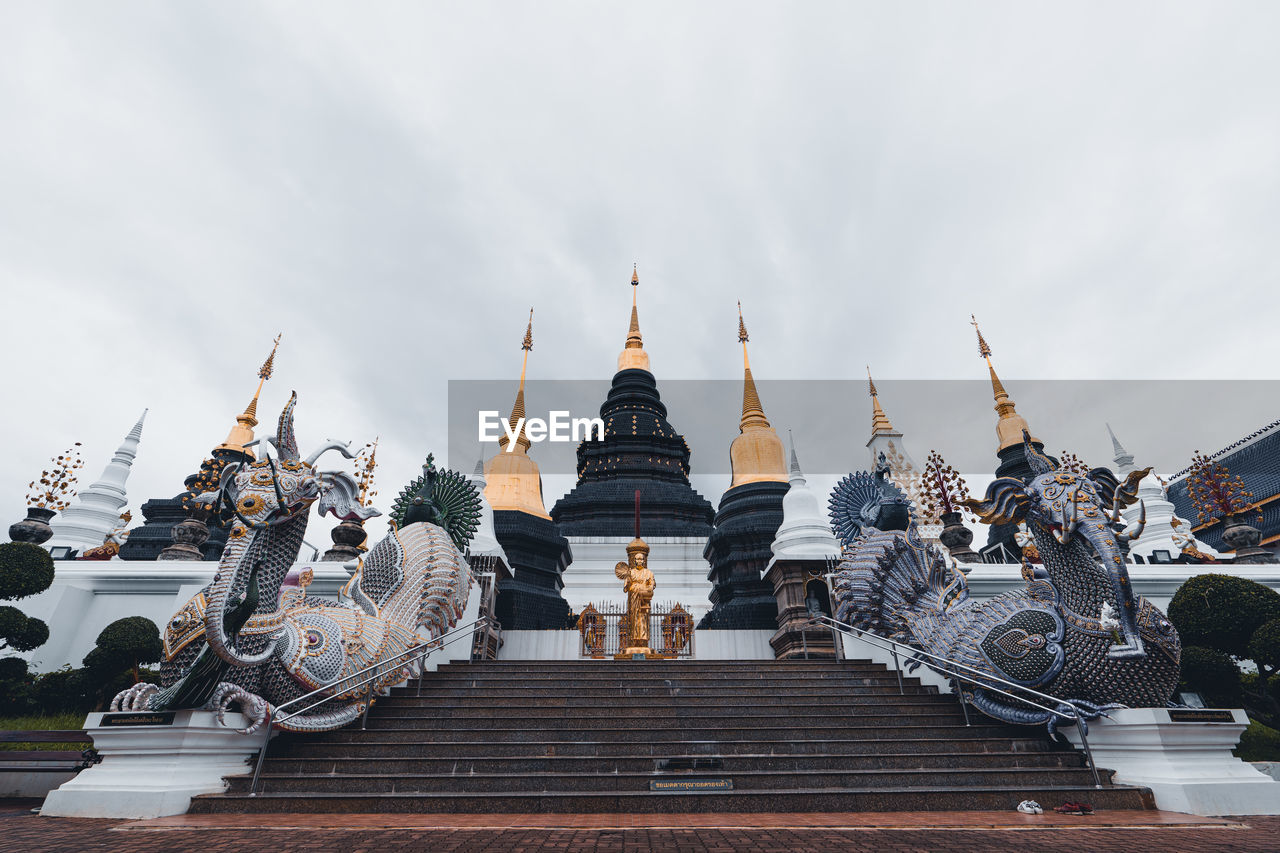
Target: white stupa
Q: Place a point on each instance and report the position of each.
(1161, 533)
(485, 543)
(96, 510)
(804, 533)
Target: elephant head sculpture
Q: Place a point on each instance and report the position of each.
(1069, 510)
(269, 500)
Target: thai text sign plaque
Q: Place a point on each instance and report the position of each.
(682, 786)
(143, 718)
(1199, 715)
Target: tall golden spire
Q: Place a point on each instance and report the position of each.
(242, 433)
(1011, 424)
(752, 410)
(633, 356)
(517, 409)
(756, 454)
(879, 420)
(512, 479)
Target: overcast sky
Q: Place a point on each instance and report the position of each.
(393, 185)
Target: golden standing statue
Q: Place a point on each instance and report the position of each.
(638, 585)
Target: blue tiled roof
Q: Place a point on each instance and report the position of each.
(1258, 465)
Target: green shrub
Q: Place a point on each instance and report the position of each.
(1259, 743)
(1211, 674)
(25, 569)
(1222, 612)
(125, 644)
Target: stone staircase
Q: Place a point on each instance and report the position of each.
(591, 736)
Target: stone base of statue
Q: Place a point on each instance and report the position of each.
(1184, 756)
(154, 768)
(799, 585)
(639, 654)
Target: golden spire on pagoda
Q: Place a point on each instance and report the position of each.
(1011, 424)
(757, 453)
(512, 479)
(242, 433)
(517, 409)
(633, 356)
(879, 420)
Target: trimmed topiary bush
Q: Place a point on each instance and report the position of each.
(1264, 650)
(1222, 612)
(1258, 743)
(125, 644)
(25, 569)
(1211, 674)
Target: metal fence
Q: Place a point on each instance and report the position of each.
(602, 631)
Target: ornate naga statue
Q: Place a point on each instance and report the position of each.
(255, 638)
(638, 585)
(1075, 632)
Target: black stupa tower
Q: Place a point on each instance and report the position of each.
(640, 452)
(748, 518)
(538, 554)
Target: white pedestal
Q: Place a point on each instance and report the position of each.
(154, 771)
(1186, 763)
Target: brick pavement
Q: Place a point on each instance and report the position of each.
(359, 834)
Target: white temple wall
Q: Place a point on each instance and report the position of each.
(679, 571)
(87, 596)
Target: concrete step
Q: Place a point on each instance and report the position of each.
(728, 763)
(688, 717)
(643, 703)
(379, 744)
(500, 693)
(747, 780)
(967, 798)
(495, 734)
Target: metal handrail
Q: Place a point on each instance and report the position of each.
(422, 650)
(946, 666)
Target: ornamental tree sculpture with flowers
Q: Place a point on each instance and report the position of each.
(943, 491)
(1217, 495)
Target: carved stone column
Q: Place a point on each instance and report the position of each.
(34, 528)
(188, 536)
(347, 538)
(955, 537)
(1242, 537)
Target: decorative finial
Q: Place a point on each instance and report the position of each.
(264, 372)
(528, 334)
(983, 349)
(871, 381)
(742, 327)
(879, 420)
(633, 356)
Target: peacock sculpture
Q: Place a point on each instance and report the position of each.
(1075, 632)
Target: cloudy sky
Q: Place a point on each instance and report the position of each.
(393, 185)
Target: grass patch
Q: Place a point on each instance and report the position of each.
(1259, 743)
(43, 722)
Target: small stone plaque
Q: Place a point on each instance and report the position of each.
(682, 786)
(142, 718)
(1199, 715)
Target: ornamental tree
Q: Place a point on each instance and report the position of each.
(56, 486)
(25, 569)
(1264, 651)
(942, 488)
(1215, 493)
(125, 644)
(1211, 674)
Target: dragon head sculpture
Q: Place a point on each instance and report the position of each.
(1062, 507)
(269, 500)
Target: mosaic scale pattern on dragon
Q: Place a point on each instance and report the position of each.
(255, 638)
(1075, 632)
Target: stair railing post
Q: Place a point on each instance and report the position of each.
(262, 754)
(898, 669)
(964, 706)
(1081, 725)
